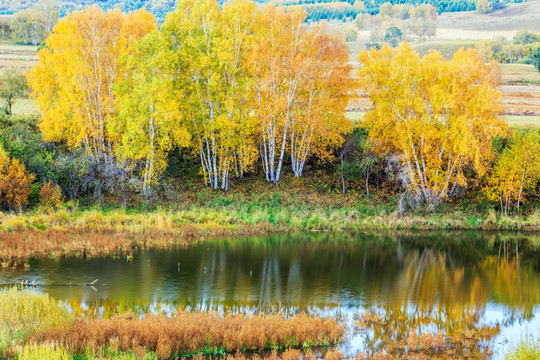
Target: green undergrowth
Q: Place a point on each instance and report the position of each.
(227, 216)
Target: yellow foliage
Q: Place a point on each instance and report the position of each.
(74, 78)
(302, 86)
(213, 81)
(149, 121)
(517, 171)
(440, 116)
(44, 352)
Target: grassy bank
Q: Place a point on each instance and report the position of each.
(227, 217)
(120, 232)
(200, 214)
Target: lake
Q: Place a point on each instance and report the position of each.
(438, 281)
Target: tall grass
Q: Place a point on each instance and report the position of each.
(24, 313)
(249, 218)
(525, 351)
(188, 334)
(44, 352)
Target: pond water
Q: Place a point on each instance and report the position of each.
(445, 276)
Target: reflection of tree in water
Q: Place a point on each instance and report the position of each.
(269, 284)
(272, 274)
(424, 334)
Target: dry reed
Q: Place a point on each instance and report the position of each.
(17, 247)
(195, 333)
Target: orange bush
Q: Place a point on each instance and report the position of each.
(14, 182)
(192, 333)
(50, 195)
(17, 246)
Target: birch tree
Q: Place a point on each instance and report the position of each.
(74, 78)
(440, 116)
(516, 173)
(302, 85)
(149, 122)
(50, 11)
(28, 26)
(211, 47)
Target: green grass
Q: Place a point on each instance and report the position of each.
(25, 106)
(519, 121)
(525, 351)
(224, 216)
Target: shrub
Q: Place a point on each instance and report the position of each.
(15, 182)
(192, 333)
(524, 351)
(50, 195)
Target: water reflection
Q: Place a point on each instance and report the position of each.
(305, 272)
(407, 333)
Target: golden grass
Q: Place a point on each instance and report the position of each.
(17, 247)
(188, 334)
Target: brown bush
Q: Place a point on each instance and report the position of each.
(333, 354)
(50, 195)
(191, 333)
(17, 246)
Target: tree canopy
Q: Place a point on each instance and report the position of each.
(439, 115)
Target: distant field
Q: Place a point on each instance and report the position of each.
(17, 56)
(522, 121)
(447, 48)
(510, 19)
(520, 73)
(355, 116)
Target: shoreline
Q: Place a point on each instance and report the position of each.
(123, 232)
(197, 221)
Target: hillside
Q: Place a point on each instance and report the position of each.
(158, 7)
(323, 9)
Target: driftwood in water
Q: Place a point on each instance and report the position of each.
(26, 283)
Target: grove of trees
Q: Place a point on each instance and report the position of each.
(235, 84)
(399, 22)
(523, 48)
(244, 91)
(439, 116)
(32, 25)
